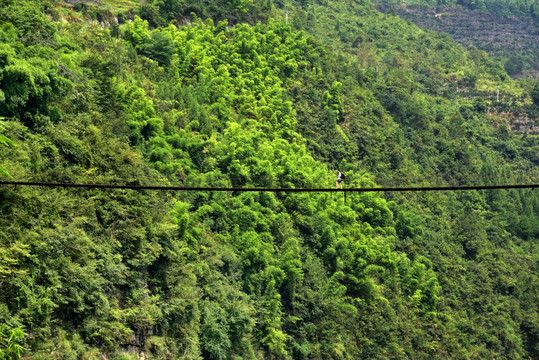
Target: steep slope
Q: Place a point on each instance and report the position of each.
(91, 273)
(200, 275)
(510, 39)
(448, 131)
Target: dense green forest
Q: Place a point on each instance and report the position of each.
(276, 94)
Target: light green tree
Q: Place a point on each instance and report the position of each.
(10, 343)
(4, 141)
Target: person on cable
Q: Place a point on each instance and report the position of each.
(340, 178)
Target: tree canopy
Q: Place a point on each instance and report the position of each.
(249, 99)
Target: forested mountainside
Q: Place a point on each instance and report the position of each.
(260, 94)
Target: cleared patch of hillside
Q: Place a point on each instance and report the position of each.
(515, 41)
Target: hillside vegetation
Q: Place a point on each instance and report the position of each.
(511, 39)
(528, 8)
(275, 94)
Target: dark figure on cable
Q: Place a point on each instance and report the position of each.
(340, 178)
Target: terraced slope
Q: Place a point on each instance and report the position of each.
(513, 40)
